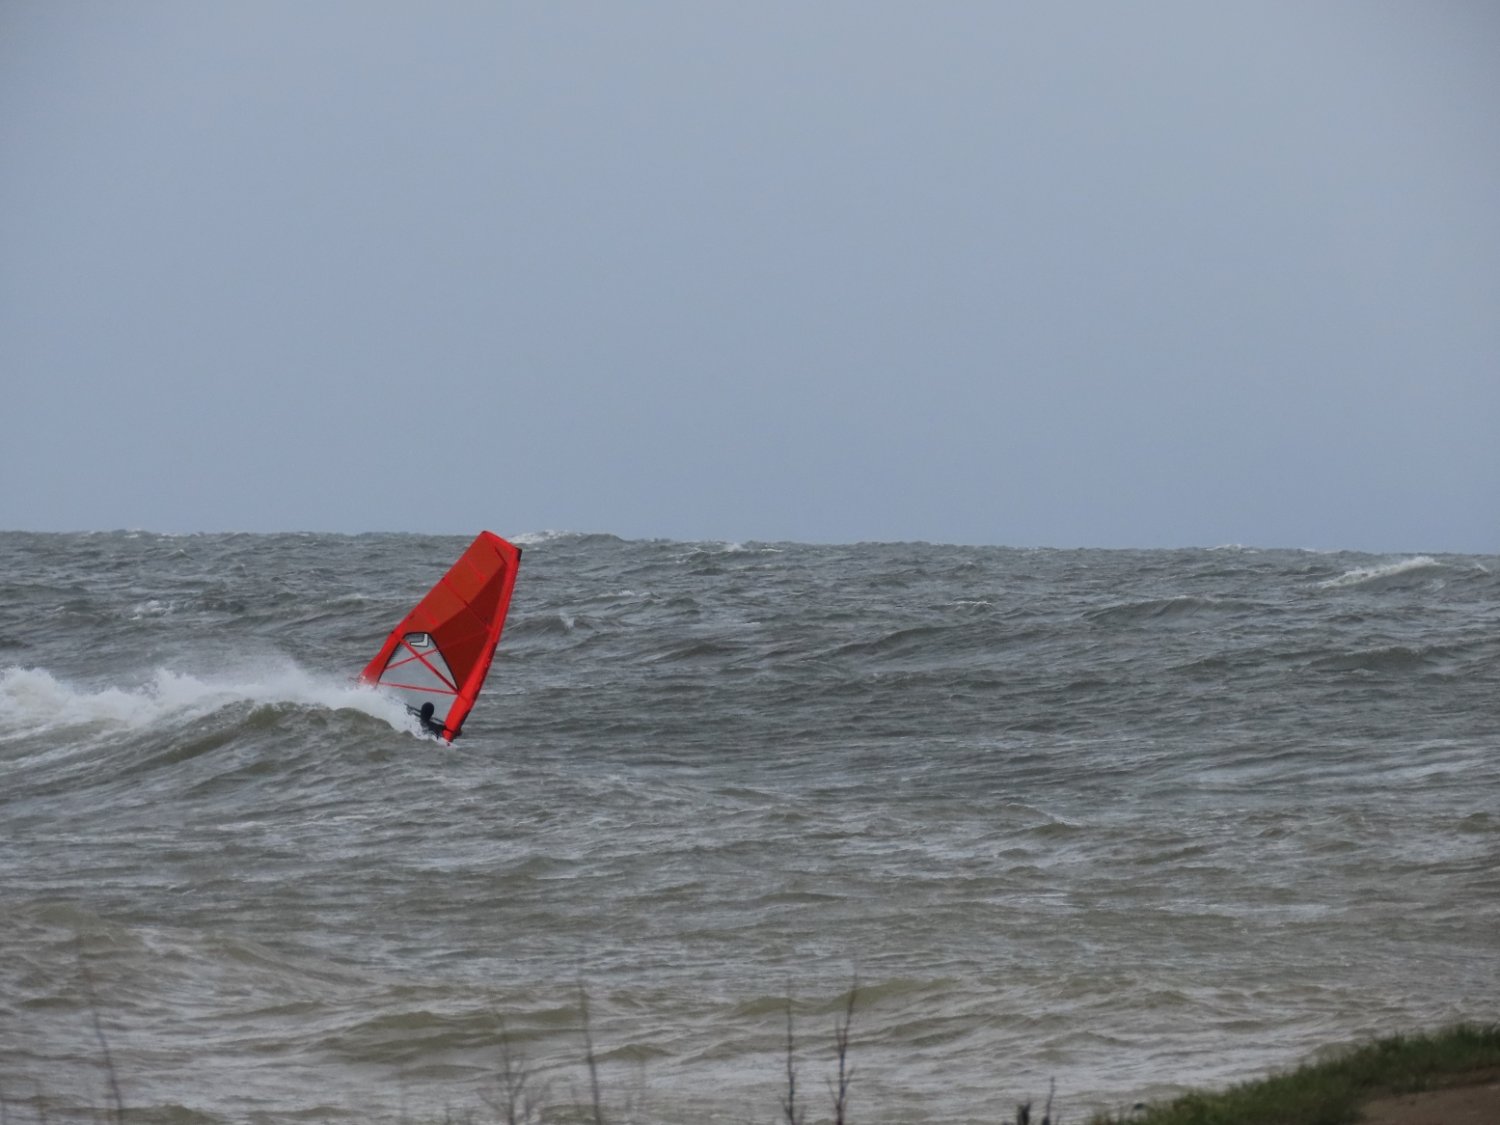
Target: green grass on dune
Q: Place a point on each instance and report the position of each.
(1330, 1092)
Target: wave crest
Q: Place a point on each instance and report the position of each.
(1385, 572)
(33, 699)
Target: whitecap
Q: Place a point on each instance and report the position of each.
(33, 699)
(533, 538)
(1365, 574)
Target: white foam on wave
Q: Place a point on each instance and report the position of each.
(532, 538)
(1363, 574)
(725, 547)
(33, 699)
(754, 548)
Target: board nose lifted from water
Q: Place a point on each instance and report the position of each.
(436, 659)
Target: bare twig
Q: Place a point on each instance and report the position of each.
(1023, 1111)
(109, 1070)
(517, 1101)
(589, 1056)
(792, 1114)
(109, 1063)
(846, 1071)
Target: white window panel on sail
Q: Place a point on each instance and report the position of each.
(417, 671)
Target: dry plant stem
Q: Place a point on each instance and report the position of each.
(515, 1102)
(793, 1115)
(109, 1070)
(590, 1058)
(1023, 1111)
(116, 1098)
(846, 1072)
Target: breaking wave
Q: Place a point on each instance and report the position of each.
(1420, 565)
(33, 699)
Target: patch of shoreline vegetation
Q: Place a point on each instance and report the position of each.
(1326, 1091)
(1331, 1091)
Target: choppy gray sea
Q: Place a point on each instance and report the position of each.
(1122, 820)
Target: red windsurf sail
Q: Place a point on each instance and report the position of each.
(442, 649)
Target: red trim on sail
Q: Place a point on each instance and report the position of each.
(463, 615)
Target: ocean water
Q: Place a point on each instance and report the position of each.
(1111, 821)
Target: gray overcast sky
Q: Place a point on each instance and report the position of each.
(1076, 274)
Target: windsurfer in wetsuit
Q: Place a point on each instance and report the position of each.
(429, 724)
